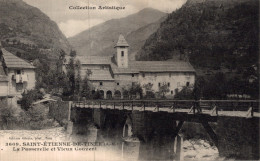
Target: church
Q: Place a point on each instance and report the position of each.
(113, 75)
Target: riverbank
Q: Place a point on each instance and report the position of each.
(192, 149)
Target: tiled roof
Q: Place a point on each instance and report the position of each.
(13, 61)
(154, 66)
(92, 60)
(100, 75)
(121, 42)
(134, 66)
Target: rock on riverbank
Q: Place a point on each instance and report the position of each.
(199, 150)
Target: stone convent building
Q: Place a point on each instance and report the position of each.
(111, 75)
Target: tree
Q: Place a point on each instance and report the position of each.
(148, 89)
(29, 97)
(71, 73)
(86, 88)
(135, 89)
(163, 90)
(78, 79)
(185, 93)
(148, 86)
(97, 95)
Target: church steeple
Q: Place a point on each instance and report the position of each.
(122, 52)
(121, 42)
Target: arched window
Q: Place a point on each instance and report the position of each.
(117, 94)
(101, 94)
(109, 95)
(125, 95)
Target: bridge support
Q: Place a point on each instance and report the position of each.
(156, 134)
(211, 133)
(131, 148)
(99, 117)
(178, 148)
(178, 128)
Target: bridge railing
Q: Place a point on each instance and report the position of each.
(194, 105)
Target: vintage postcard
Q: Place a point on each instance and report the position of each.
(129, 80)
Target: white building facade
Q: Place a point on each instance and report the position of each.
(16, 75)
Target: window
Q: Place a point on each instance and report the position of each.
(117, 84)
(19, 102)
(169, 84)
(133, 75)
(122, 53)
(187, 84)
(101, 83)
(18, 72)
(102, 67)
(170, 74)
(171, 92)
(155, 75)
(143, 75)
(89, 72)
(159, 84)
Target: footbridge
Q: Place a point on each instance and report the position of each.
(236, 131)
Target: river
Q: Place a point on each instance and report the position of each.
(38, 145)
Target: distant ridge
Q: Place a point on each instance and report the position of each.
(100, 39)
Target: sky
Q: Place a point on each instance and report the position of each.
(72, 22)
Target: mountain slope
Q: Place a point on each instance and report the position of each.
(220, 39)
(212, 33)
(136, 39)
(100, 39)
(26, 24)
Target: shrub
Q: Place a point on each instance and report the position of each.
(135, 90)
(149, 95)
(185, 93)
(38, 115)
(30, 97)
(9, 116)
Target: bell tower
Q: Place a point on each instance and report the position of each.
(122, 52)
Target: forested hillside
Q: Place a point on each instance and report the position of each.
(218, 37)
(21, 23)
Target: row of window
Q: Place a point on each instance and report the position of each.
(155, 75)
(101, 83)
(159, 84)
(168, 84)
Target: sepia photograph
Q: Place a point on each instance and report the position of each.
(129, 80)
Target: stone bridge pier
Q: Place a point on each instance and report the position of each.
(156, 132)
